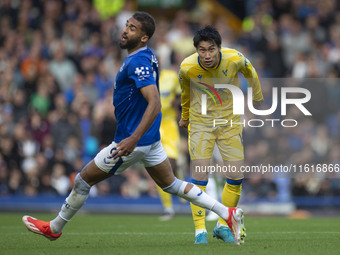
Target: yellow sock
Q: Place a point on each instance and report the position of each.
(198, 213)
(231, 194)
(165, 197)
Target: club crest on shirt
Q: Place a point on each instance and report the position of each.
(154, 60)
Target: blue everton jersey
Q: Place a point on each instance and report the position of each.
(139, 69)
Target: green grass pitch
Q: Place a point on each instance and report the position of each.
(144, 234)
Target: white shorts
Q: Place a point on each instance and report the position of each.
(149, 156)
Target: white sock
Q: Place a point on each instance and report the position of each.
(169, 210)
(200, 198)
(220, 225)
(199, 231)
(70, 207)
(72, 204)
(220, 210)
(57, 225)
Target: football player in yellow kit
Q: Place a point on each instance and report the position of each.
(198, 74)
(169, 92)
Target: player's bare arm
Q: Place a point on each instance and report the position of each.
(257, 103)
(185, 100)
(151, 95)
(183, 123)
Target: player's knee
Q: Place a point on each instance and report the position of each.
(81, 186)
(175, 187)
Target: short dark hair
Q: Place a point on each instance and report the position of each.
(147, 21)
(207, 34)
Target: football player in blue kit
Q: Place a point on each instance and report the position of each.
(137, 139)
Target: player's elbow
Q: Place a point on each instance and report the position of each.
(156, 106)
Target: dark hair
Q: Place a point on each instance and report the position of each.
(147, 21)
(207, 34)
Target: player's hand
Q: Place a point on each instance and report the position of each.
(125, 147)
(183, 123)
(257, 103)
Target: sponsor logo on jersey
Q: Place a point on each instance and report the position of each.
(142, 72)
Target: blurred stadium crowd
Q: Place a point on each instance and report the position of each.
(58, 61)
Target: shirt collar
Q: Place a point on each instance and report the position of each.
(136, 51)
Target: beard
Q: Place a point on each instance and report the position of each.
(130, 44)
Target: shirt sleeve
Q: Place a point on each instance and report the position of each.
(141, 71)
(249, 72)
(185, 94)
(177, 87)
